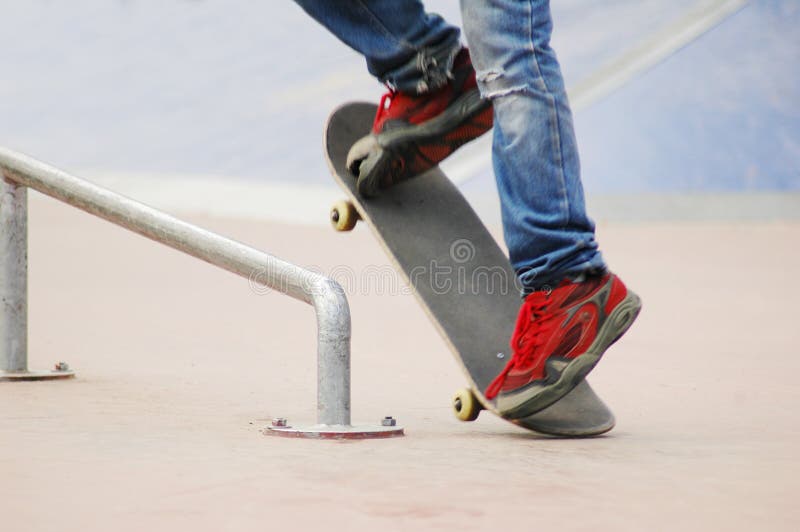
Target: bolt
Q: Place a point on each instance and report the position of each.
(279, 422)
(457, 403)
(62, 366)
(388, 421)
(501, 355)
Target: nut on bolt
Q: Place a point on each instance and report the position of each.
(388, 421)
(61, 366)
(279, 422)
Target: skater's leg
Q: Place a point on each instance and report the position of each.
(535, 155)
(433, 106)
(405, 47)
(574, 308)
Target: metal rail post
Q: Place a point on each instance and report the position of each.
(14, 289)
(324, 294)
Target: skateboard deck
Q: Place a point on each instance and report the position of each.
(458, 272)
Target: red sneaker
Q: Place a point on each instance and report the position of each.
(559, 337)
(414, 133)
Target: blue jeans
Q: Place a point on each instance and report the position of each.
(549, 236)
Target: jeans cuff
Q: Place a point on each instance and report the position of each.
(530, 286)
(428, 70)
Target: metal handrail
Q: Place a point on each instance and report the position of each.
(19, 172)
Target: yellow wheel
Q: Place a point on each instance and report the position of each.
(466, 406)
(344, 216)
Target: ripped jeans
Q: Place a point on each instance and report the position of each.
(535, 157)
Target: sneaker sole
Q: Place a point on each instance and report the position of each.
(539, 397)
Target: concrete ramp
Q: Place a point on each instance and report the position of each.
(720, 114)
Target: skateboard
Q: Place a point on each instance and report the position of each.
(459, 274)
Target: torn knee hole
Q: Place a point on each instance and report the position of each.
(505, 91)
(495, 84)
(488, 76)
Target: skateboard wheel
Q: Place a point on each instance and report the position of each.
(343, 216)
(466, 406)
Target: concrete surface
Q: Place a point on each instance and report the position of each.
(181, 365)
(193, 106)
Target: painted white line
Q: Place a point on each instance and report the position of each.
(652, 51)
(754, 206)
(229, 197)
(309, 205)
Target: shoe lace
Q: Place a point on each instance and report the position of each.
(383, 107)
(532, 330)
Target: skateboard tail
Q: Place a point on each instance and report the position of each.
(419, 223)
